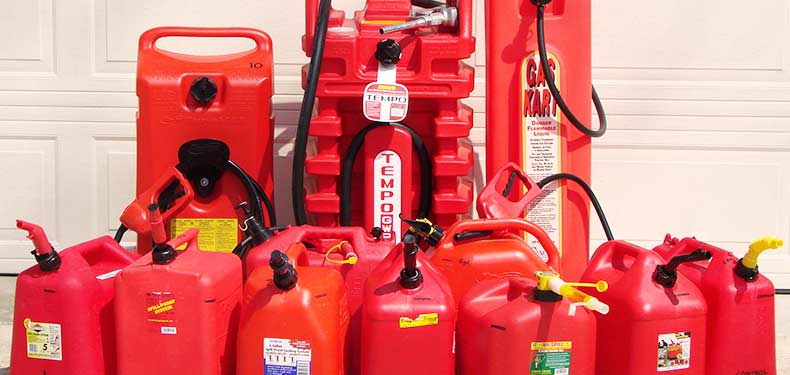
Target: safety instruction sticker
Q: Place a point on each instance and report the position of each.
(44, 340)
(219, 235)
(674, 351)
(286, 357)
(161, 312)
(550, 358)
(385, 102)
(421, 320)
(541, 145)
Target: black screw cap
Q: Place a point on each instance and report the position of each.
(163, 253)
(388, 51)
(285, 276)
(746, 273)
(203, 90)
(377, 232)
(47, 262)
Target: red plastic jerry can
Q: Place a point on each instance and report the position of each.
(657, 318)
(522, 326)
(294, 318)
(177, 311)
(408, 316)
(63, 314)
(741, 322)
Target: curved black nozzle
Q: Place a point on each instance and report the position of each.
(432, 233)
(410, 276)
(285, 276)
(471, 235)
(667, 274)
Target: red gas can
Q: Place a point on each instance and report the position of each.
(741, 323)
(225, 98)
(294, 319)
(421, 71)
(349, 250)
(520, 326)
(657, 318)
(177, 311)
(408, 316)
(63, 314)
(525, 122)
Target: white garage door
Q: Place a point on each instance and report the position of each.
(700, 120)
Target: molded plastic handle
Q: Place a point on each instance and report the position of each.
(189, 237)
(148, 40)
(510, 224)
(135, 216)
(605, 254)
(493, 202)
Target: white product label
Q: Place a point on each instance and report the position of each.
(44, 340)
(674, 351)
(385, 102)
(542, 146)
(286, 357)
(387, 194)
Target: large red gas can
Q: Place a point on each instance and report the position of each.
(63, 314)
(741, 323)
(475, 250)
(657, 318)
(408, 316)
(294, 318)
(348, 250)
(226, 98)
(524, 123)
(427, 62)
(520, 326)
(177, 311)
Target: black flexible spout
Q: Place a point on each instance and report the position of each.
(667, 274)
(410, 276)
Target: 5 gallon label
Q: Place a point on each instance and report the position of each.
(215, 234)
(541, 145)
(551, 358)
(674, 351)
(286, 357)
(43, 340)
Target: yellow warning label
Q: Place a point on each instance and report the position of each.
(43, 340)
(422, 320)
(552, 345)
(215, 234)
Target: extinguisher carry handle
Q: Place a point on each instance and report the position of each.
(189, 237)
(148, 39)
(136, 216)
(493, 203)
(509, 224)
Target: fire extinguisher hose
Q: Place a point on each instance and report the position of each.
(426, 171)
(555, 92)
(596, 204)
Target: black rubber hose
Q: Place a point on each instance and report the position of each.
(306, 112)
(248, 182)
(241, 249)
(555, 92)
(426, 171)
(267, 203)
(120, 232)
(782, 292)
(597, 205)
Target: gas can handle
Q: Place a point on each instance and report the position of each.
(509, 224)
(148, 39)
(135, 216)
(493, 202)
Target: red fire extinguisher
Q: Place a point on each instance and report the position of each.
(538, 86)
(389, 92)
(741, 323)
(224, 98)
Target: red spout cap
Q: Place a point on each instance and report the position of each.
(36, 234)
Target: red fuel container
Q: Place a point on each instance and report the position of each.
(63, 314)
(741, 323)
(408, 316)
(177, 311)
(657, 318)
(294, 318)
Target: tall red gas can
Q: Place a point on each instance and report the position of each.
(520, 326)
(741, 323)
(348, 250)
(363, 72)
(294, 318)
(63, 309)
(177, 311)
(524, 122)
(225, 98)
(408, 316)
(657, 318)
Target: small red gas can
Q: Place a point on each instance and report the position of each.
(657, 318)
(408, 316)
(741, 323)
(177, 311)
(294, 319)
(520, 326)
(63, 314)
